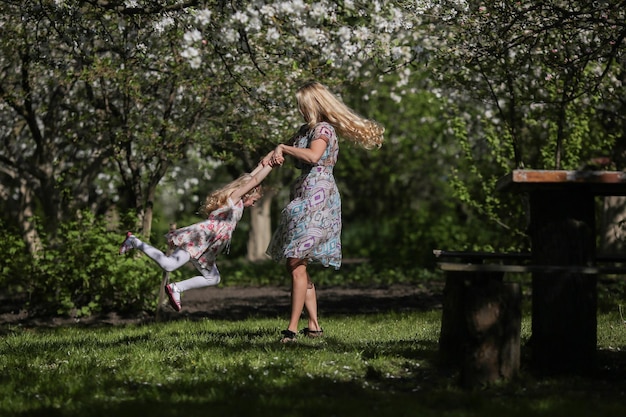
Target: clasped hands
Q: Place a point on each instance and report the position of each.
(274, 158)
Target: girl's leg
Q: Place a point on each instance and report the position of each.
(170, 263)
(208, 278)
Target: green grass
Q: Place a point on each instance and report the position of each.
(366, 365)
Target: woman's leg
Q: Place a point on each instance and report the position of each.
(303, 295)
(310, 304)
(299, 283)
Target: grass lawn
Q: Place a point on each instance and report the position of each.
(366, 365)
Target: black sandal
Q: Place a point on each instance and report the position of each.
(312, 333)
(288, 336)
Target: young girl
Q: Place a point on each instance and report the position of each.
(201, 242)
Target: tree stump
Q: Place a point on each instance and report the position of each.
(480, 327)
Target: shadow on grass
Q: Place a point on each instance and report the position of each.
(244, 303)
(420, 390)
(421, 394)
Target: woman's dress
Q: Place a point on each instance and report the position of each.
(310, 225)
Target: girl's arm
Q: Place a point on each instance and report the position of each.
(258, 175)
(270, 160)
(257, 169)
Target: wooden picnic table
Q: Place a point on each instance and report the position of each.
(562, 229)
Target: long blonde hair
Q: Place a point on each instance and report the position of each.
(317, 104)
(219, 197)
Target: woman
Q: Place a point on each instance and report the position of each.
(310, 226)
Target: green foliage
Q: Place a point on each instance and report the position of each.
(540, 74)
(353, 272)
(81, 273)
(421, 190)
(612, 293)
(13, 250)
(498, 219)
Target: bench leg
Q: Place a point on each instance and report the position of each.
(480, 328)
(564, 327)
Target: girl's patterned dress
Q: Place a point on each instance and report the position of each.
(205, 240)
(310, 225)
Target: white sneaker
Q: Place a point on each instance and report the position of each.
(173, 295)
(128, 243)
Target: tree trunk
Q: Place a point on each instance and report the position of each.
(260, 228)
(148, 214)
(25, 216)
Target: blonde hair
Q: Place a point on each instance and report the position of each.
(219, 197)
(317, 104)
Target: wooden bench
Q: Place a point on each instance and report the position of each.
(481, 317)
(481, 256)
(475, 262)
(574, 269)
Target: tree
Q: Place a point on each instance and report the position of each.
(53, 150)
(106, 96)
(527, 84)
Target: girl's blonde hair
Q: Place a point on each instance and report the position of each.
(317, 104)
(219, 197)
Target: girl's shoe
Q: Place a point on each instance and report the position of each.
(312, 333)
(173, 297)
(288, 336)
(127, 244)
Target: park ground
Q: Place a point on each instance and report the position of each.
(238, 303)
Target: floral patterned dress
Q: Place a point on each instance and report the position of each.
(310, 225)
(206, 239)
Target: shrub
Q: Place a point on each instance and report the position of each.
(14, 258)
(81, 273)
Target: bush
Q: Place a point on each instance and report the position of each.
(14, 258)
(81, 273)
(238, 272)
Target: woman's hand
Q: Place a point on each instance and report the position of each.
(274, 158)
(277, 157)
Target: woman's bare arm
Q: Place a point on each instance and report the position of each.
(310, 155)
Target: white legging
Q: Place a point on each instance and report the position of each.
(177, 259)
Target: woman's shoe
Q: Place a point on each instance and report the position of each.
(288, 336)
(312, 333)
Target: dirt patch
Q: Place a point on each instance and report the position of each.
(238, 303)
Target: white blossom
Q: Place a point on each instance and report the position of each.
(203, 17)
(240, 17)
(163, 24)
(230, 35)
(310, 35)
(192, 36)
(272, 35)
